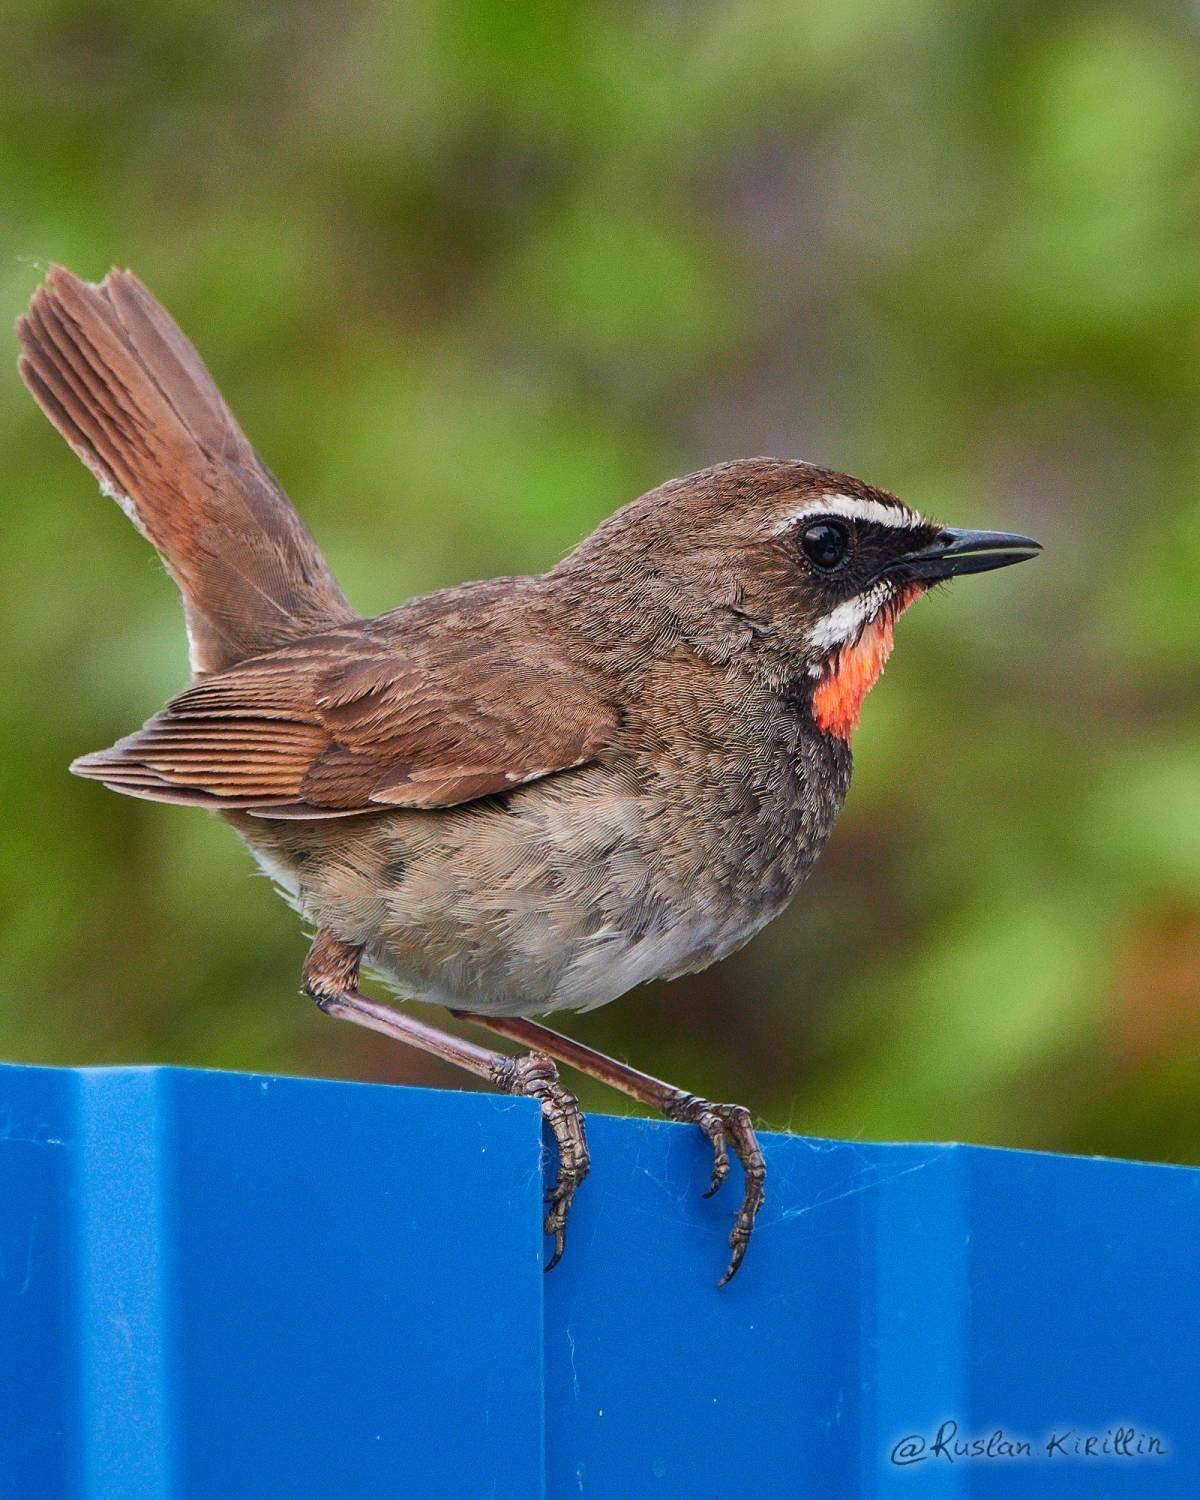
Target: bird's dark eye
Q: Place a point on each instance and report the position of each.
(825, 544)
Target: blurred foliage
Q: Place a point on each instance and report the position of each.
(472, 275)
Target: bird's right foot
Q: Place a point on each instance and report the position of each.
(534, 1075)
(728, 1125)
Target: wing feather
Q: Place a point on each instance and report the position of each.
(340, 725)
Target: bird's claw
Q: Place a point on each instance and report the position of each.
(713, 1127)
(534, 1075)
(728, 1125)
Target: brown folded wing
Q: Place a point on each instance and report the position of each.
(336, 726)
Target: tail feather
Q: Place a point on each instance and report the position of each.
(131, 396)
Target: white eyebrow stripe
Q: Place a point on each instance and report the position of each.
(851, 508)
(848, 618)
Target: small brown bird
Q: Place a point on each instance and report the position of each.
(527, 794)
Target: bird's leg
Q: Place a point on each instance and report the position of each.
(725, 1125)
(330, 977)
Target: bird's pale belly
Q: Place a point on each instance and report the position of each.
(563, 895)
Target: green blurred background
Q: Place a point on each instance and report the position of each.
(472, 275)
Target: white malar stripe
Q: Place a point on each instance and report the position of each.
(850, 508)
(844, 623)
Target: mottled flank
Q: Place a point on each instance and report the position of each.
(576, 888)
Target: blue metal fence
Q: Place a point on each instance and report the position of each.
(219, 1285)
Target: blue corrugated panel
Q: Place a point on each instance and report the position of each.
(214, 1285)
(891, 1291)
(220, 1285)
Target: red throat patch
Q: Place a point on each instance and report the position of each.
(851, 674)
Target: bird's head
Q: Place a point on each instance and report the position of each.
(807, 570)
(850, 559)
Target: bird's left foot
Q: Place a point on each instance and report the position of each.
(535, 1075)
(728, 1125)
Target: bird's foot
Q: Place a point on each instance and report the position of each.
(728, 1125)
(535, 1075)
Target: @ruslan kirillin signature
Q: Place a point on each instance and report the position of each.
(948, 1446)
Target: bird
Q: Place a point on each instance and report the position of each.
(515, 796)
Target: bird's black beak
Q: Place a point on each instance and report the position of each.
(954, 552)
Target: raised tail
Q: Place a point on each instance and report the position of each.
(113, 372)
